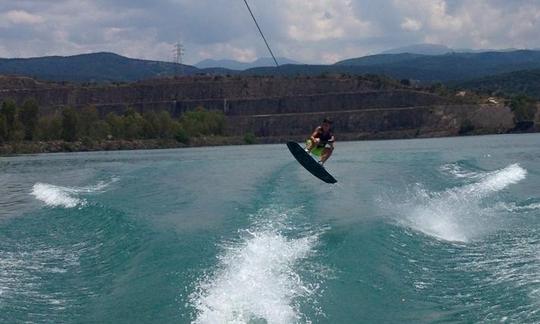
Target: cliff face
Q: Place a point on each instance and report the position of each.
(233, 95)
(196, 88)
(402, 122)
(283, 107)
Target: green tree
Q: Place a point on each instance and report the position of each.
(167, 126)
(100, 130)
(49, 128)
(70, 123)
(524, 108)
(28, 116)
(3, 129)
(250, 138)
(116, 125)
(133, 125)
(181, 135)
(203, 122)
(88, 117)
(9, 111)
(151, 125)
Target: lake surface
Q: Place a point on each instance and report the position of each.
(419, 231)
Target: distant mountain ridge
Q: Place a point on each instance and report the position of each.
(109, 67)
(94, 67)
(525, 82)
(447, 67)
(424, 49)
(240, 66)
(438, 49)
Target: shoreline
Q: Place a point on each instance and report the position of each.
(59, 146)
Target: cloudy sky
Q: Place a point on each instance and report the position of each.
(311, 31)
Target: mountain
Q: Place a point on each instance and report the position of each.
(109, 67)
(380, 59)
(95, 67)
(437, 49)
(425, 49)
(470, 50)
(236, 65)
(447, 67)
(526, 82)
(424, 68)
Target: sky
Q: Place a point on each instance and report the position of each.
(309, 31)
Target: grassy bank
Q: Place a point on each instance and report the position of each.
(35, 147)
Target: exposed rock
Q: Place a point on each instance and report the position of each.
(275, 109)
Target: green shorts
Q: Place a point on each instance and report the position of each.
(317, 150)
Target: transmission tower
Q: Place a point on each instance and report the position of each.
(178, 55)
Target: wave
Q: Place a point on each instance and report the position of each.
(458, 214)
(68, 197)
(257, 279)
(18, 279)
(513, 207)
(460, 172)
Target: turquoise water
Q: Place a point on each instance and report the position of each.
(419, 231)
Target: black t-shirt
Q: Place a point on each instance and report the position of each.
(324, 137)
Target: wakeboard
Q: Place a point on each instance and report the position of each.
(305, 159)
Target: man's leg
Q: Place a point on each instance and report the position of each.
(327, 152)
(309, 145)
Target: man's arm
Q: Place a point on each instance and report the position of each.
(331, 141)
(314, 134)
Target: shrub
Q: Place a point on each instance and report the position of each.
(89, 116)
(133, 125)
(3, 129)
(166, 125)
(250, 138)
(524, 108)
(151, 125)
(99, 130)
(49, 128)
(28, 117)
(70, 123)
(116, 125)
(182, 136)
(203, 122)
(9, 112)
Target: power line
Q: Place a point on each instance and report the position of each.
(260, 31)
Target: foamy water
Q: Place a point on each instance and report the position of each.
(68, 197)
(512, 207)
(265, 242)
(257, 279)
(457, 171)
(457, 214)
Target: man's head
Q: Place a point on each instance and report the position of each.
(326, 124)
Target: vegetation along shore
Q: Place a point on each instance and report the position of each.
(37, 116)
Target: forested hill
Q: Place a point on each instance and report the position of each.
(109, 67)
(424, 68)
(511, 84)
(95, 67)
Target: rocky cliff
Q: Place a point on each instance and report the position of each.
(276, 108)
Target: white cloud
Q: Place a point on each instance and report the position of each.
(223, 50)
(319, 20)
(310, 31)
(22, 17)
(410, 24)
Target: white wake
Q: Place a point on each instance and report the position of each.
(257, 279)
(457, 214)
(68, 197)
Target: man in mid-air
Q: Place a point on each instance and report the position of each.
(321, 142)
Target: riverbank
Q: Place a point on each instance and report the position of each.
(59, 146)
